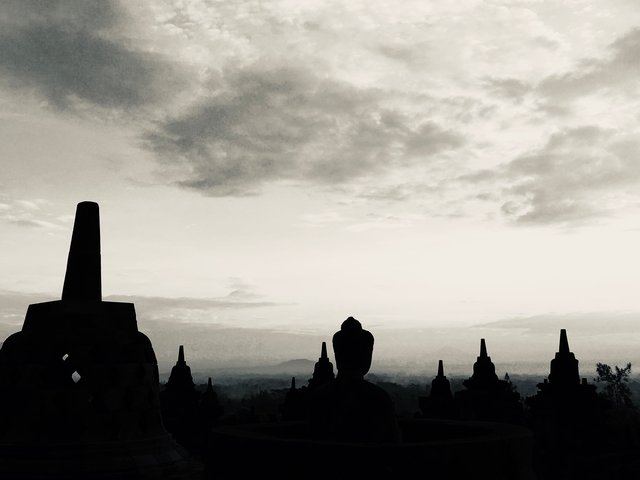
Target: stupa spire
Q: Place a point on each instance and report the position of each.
(323, 353)
(564, 342)
(440, 369)
(82, 281)
(483, 348)
(181, 354)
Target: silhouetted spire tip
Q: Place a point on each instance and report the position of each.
(440, 368)
(564, 342)
(82, 281)
(181, 354)
(483, 348)
(323, 353)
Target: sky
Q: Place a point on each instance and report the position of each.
(272, 167)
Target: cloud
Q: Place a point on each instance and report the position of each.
(27, 213)
(579, 174)
(70, 52)
(510, 88)
(587, 323)
(618, 72)
(13, 305)
(155, 307)
(267, 124)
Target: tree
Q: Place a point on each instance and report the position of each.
(615, 389)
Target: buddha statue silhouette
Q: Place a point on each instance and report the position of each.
(350, 408)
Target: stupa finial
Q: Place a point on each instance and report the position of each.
(564, 342)
(181, 354)
(483, 348)
(82, 281)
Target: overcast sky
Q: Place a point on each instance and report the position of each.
(286, 164)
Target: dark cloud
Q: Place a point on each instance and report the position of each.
(546, 42)
(579, 174)
(68, 51)
(510, 88)
(570, 178)
(269, 124)
(407, 54)
(618, 72)
(402, 191)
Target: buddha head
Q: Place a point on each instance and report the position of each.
(353, 348)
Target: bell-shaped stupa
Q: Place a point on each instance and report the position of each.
(79, 383)
(322, 370)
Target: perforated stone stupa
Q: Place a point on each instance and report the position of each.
(79, 383)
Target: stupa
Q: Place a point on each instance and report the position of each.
(486, 397)
(296, 402)
(439, 403)
(322, 370)
(295, 406)
(564, 392)
(180, 402)
(79, 383)
(210, 405)
(567, 417)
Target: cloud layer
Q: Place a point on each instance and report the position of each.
(532, 116)
(71, 52)
(579, 174)
(268, 124)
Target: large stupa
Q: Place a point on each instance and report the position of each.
(79, 384)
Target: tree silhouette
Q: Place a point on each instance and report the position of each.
(615, 389)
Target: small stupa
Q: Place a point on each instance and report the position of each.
(563, 398)
(323, 369)
(439, 403)
(295, 406)
(79, 383)
(180, 403)
(210, 405)
(486, 397)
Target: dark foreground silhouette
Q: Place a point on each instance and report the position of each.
(79, 399)
(350, 408)
(188, 414)
(349, 430)
(79, 384)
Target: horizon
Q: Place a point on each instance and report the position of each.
(440, 172)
